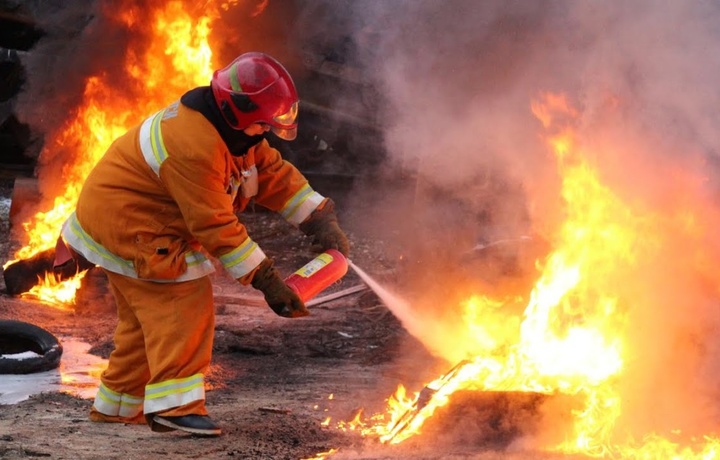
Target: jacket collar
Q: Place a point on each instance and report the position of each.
(201, 100)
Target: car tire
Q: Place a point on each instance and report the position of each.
(18, 337)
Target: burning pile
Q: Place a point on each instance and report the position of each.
(591, 326)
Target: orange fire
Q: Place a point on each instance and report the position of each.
(176, 57)
(597, 299)
(50, 290)
(323, 455)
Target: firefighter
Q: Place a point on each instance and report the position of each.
(163, 198)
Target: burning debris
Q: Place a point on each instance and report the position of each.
(430, 397)
(574, 337)
(22, 275)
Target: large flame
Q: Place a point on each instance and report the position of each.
(174, 58)
(577, 332)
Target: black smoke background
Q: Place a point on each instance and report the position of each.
(58, 64)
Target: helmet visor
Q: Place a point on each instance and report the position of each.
(288, 118)
(287, 134)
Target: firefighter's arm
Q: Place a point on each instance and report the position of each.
(197, 185)
(284, 189)
(323, 227)
(208, 212)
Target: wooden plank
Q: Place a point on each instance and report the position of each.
(258, 301)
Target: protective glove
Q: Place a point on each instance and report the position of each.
(278, 295)
(322, 225)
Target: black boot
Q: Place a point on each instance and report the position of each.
(196, 424)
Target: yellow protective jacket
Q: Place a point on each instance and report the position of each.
(169, 188)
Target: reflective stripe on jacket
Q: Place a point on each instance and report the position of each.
(197, 264)
(169, 189)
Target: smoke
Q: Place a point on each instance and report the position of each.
(457, 82)
(59, 63)
(80, 40)
(259, 25)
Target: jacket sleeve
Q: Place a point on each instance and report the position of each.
(197, 184)
(282, 187)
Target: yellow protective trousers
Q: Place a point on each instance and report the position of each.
(163, 346)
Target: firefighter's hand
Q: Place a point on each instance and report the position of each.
(322, 225)
(278, 295)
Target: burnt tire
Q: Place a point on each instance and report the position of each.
(17, 337)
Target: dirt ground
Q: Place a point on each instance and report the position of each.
(273, 380)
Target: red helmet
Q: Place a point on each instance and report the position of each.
(256, 88)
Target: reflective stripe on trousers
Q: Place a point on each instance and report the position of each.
(163, 344)
(116, 404)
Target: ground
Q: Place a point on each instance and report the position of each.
(273, 380)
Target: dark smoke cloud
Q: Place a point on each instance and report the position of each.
(81, 38)
(57, 66)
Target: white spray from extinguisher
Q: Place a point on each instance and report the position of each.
(398, 307)
(329, 267)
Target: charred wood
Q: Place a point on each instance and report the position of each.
(15, 139)
(22, 275)
(12, 74)
(496, 419)
(18, 31)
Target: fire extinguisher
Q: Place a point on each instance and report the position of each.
(318, 274)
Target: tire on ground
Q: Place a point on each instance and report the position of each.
(17, 337)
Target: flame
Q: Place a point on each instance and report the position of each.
(574, 335)
(174, 58)
(51, 290)
(323, 455)
(257, 9)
